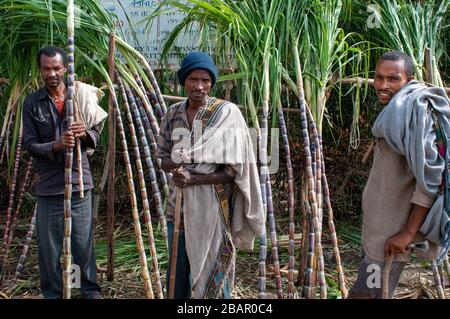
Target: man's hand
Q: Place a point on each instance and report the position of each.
(67, 140)
(182, 178)
(397, 244)
(78, 129)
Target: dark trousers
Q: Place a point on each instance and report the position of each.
(183, 270)
(50, 234)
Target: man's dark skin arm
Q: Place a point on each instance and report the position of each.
(76, 130)
(168, 165)
(183, 178)
(397, 243)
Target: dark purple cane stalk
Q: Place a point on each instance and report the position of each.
(156, 88)
(148, 159)
(23, 256)
(23, 189)
(164, 177)
(11, 196)
(150, 95)
(291, 204)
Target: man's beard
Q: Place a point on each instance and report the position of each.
(53, 82)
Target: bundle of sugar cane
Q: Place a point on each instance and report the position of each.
(126, 92)
(144, 197)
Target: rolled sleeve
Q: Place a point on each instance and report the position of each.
(92, 137)
(163, 140)
(420, 198)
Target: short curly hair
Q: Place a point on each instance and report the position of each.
(400, 56)
(51, 51)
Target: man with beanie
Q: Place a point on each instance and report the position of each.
(205, 143)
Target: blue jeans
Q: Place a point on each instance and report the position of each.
(183, 285)
(50, 234)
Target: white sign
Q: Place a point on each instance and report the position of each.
(132, 16)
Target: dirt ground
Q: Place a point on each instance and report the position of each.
(416, 282)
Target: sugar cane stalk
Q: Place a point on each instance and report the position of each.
(23, 256)
(266, 178)
(291, 204)
(164, 177)
(7, 119)
(144, 197)
(11, 196)
(69, 153)
(111, 167)
(263, 168)
(79, 155)
(23, 189)
(304, 243)
(333, 234)
(437, 280)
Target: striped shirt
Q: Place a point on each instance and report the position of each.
(176, 118)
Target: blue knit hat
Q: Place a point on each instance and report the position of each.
(194, 61)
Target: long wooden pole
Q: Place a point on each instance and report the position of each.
(69, 153)
(176, 233)
(112, 159)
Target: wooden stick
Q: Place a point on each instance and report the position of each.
(99, 189)
(368, 152)
(437, 280)
(112, 159)
(386, 272)
(79, 156)
(176, 233)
